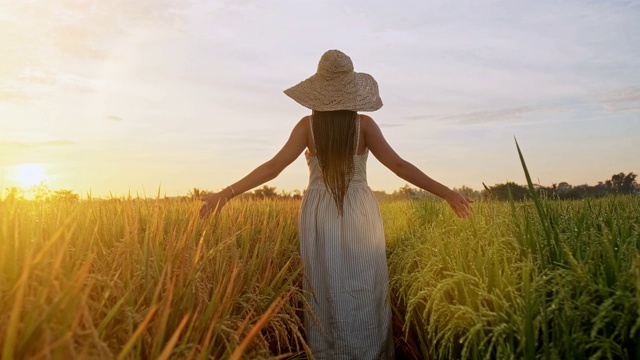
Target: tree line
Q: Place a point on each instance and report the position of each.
(618, 184)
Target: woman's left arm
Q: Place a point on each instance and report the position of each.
(294, 146)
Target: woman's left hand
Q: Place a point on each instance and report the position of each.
(460, 204)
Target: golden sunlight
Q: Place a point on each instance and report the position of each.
(31, 174)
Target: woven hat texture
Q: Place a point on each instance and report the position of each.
(336, 86)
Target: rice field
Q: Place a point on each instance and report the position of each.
(139, 279)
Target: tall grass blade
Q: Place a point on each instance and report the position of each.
(542, 215)
(134, 338)
(166, 352)
(275, 306)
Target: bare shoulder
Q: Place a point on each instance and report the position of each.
(367, 122)
(304, 122)
(303, 129)
(366, 118)
(305, 119)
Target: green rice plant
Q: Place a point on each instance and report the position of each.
(467, 291)
(543, 215)
(447, 285)
(533, 279)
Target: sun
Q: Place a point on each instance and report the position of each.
(31, 174)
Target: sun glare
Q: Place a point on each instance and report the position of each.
(31, 174)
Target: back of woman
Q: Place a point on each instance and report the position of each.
(342, 246)
(341, 236)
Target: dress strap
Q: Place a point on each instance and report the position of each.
(358, 134)
(313, 139)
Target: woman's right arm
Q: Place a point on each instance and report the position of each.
(263, 173)
(381, 149)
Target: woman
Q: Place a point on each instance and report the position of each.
(341, 236)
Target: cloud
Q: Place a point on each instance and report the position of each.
(42, 40)
(11, 95)
(627, 99)
(383, 125)
(36, 82)
(421, 117)
(114, 118)
(37, 76)
(488, 116)
(33, 145)
(622, 100)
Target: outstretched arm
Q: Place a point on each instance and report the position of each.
(268, 171)
(388, 157)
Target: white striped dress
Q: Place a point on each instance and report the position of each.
(345, 269)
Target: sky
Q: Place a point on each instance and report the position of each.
(140, 97)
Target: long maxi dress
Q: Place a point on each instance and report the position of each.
(345, 269)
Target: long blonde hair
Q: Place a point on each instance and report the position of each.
(335, 140)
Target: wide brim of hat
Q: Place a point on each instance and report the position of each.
(354, 91)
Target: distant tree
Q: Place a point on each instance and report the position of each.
(615, 183)
(41, 191)
(501, 191)
(598, 190)
(629, 183)
(468, 192)
(406, 193)
(13, 193)
(265, 192)
(564, 188)
(65, 195)
(548, 192)
(195, 193)
(621, 183)
(585, 191)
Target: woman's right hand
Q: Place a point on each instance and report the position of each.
(460, 204)
(212, 203)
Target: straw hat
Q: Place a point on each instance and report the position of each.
(335, 86)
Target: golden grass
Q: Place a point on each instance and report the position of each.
(148, 279)
(138, 279)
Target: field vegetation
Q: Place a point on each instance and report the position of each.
(147, 279)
